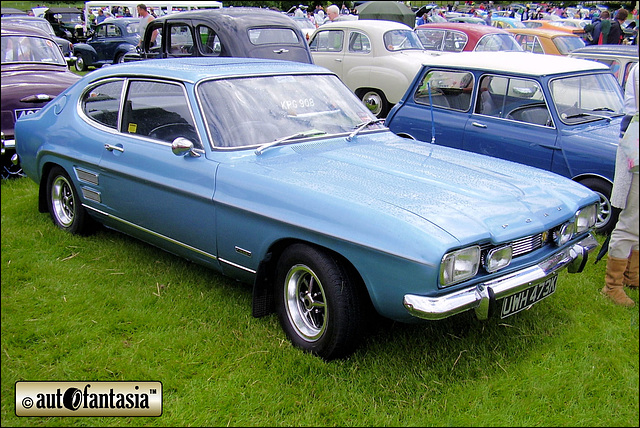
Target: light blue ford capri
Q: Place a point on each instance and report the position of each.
(274, 173)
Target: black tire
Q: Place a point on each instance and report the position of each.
(64, 205)
(119, 59)
(318, 302)
(606, 219)
(81, 64)
(376, 101)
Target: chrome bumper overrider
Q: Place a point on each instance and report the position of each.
(573, 258)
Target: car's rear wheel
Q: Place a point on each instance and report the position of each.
(318, 302)
(81, 65)
(606, 220)
(376, 101)
(64, 205)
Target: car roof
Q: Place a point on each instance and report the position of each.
(11, 11)
(479, 30)
(10, 28)
(367, 24)
(615, 50)
(193, 69)
(15, 18)
(234, 16)
(63, 10)
(525, 63)
(542, 32)
(119, 20)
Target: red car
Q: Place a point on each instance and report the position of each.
(459, 37)
(33, 73)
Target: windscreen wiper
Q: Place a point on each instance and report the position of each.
(304, 134)
(359, 127)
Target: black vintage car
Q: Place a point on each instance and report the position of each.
(67, 22)
(226, 32)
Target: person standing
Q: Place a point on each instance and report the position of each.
(616, 35)
(487, 18)
(601, 28)
(145, 19)
(101, 16)
(622, 262)
(333, 12)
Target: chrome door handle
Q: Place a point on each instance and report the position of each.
(112, 148)
(479, 125)
(338, 59)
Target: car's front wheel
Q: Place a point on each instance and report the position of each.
(318, 302)
(376, 101)
(119, 59)
(64, 205)
(81, 64)
(606, 220)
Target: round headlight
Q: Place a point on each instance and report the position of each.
(565, 233)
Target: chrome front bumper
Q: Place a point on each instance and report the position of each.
(573, 258)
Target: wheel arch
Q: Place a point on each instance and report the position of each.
(42, 187)
(263, 302)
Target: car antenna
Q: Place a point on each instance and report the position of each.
(433, 125)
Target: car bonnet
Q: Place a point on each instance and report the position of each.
(464, 194)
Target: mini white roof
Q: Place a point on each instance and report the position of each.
(366, 24)
(516, 62)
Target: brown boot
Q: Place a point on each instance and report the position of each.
(613, 287)
(631, 273)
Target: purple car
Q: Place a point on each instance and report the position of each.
(34, 72)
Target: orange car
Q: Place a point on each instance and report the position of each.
(546, 41)
(561, 25)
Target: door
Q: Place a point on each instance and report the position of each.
(511, 121)
(151, 191)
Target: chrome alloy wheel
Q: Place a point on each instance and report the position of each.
(305, 302)
(62, 201)
(604, 211)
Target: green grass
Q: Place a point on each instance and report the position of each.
(107, 307)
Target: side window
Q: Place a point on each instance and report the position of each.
(102, 103)
(359, 43)
(491, 94)
(327, 41)
(180, 42)
(101, 31)
(455, 41)
(521, 100)
(160, 111)
(113, 31)
(209, 41)
(537, 47)
(448, 89)
(431, 39)
(627, 70)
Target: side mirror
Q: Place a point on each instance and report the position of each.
(182, 147)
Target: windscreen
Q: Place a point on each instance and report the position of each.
(243, 112)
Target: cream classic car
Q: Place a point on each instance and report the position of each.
(376, 59)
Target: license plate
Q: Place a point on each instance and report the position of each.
(24, 112)
(525, 298)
